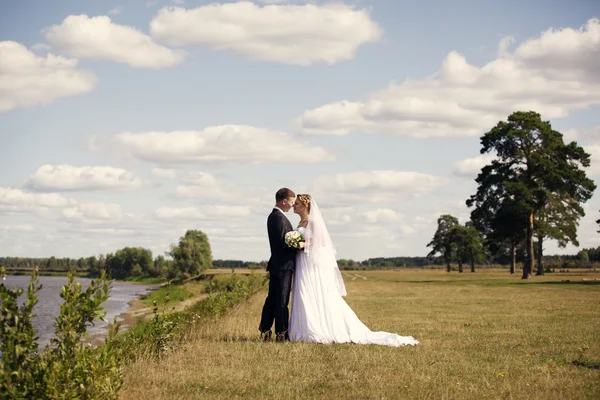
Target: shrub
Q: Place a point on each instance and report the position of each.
(66, 368)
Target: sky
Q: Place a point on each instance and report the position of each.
(126, 123)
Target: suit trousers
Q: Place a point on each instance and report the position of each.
(276, 303)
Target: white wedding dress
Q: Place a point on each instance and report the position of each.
(319, 313)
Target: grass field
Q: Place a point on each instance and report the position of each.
(483, 335)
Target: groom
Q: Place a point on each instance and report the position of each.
(281, 267)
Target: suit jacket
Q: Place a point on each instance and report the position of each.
(283, 258)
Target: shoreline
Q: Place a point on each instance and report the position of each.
(135, 312)
(138, 311)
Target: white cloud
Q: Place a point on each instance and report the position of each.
(10, 196)
(337, 216)
(382, 215)
(164, 173)
(202, 186)
(503, 46)
(69, 177)
(216, 144)
(18, 228)
(99, 38)
(41, 47)
(589, 139)
(205, 212)
(202, 179)
(17, 201)
(109, 232)
(594, 151)
(28, 80)
(570, 134)
(373, 186)
(470, 167)
(560, 69)
(588, 135)
(94, 211)
(291, 34)
(116, 10)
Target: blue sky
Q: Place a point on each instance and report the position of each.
(124, 123)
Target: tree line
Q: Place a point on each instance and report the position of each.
(190, 256)
(531, 192)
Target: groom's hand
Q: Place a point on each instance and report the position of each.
(302, 244)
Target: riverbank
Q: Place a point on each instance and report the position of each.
(181, 297)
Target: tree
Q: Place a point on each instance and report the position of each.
(584, 256)
(443, 241)
(468, 243)
(160, 266)
(533, 166)
(101, 262)
(497, 214)
(93, 266)
(193, 254)
(558, 220)
(123, 263)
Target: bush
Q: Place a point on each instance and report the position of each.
(66, 368)
(70, 369)
(153, 338)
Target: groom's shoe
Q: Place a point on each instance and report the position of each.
(282, 337)
(266, 336)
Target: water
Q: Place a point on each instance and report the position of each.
(48, 306)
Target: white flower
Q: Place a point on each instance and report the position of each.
(293, 239)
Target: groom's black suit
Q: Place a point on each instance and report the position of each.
(281, 267)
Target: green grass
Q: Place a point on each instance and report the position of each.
(483, 335)
(148, 280)
(177, 295)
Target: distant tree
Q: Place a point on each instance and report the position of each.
(533, 163)
(137, 270)
(92, 263)
(443, 242)
(129, 261)
(101, 262)
(584, 256)
(160, 266)
(468, 244)
(192, 254)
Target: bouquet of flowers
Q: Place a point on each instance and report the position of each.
(293, 239)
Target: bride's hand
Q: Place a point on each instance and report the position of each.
(302, 244)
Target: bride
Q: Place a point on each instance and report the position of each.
(319, 313)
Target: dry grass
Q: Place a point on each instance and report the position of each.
(483, 335)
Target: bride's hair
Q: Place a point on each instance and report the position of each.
(304, 199)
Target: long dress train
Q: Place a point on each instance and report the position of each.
(320, 314)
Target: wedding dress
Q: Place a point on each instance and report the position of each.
(319, 313)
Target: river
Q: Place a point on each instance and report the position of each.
(50, 301)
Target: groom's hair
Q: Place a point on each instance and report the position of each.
(283, 194)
